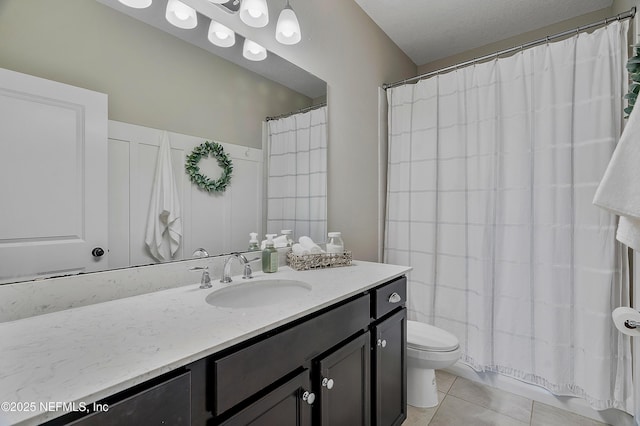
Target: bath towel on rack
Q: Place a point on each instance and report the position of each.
(619, 190)
(164, 222)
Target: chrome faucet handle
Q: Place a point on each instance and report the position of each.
(247, 267)
(205, 281)
(247, 272)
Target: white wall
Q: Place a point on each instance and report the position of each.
(206, 217)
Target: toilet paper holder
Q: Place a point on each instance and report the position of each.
(632, 324)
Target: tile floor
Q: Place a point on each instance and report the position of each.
(463, 402)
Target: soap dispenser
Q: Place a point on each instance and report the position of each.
(269, 256)
(287, 233)
(253, 241)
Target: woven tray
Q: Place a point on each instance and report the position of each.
(315, 261)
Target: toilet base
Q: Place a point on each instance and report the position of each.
(421, 387)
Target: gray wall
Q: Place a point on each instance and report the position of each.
(344, 47)
(152, 78)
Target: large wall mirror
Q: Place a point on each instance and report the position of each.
(158, 78)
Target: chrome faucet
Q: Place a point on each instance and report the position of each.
(199, 253)
(226, 271)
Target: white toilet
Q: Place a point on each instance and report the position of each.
(428, 348)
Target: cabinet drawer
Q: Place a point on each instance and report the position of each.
(389, 297)
(167, 403)
(243, 373)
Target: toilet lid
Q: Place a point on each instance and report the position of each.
(429, 338)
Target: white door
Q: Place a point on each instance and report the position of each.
(53, 178)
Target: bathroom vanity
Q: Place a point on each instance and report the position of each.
(334, 355)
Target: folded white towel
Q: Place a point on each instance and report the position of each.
(298, 250)
(279, 241)
(619, 190)
(164, 223)
(308, 244)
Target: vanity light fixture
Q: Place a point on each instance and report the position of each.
(254, 13)
(136, 4)
(253, 51)
(181, 15)
(221, 35)
(288, 28)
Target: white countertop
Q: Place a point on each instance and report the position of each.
(88, 353)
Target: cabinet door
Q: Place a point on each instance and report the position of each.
(344, 382)
(390, 370)
(287, 405)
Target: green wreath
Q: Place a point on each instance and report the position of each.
(214, 149)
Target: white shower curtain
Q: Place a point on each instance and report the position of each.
(492, 169)
(297, 174)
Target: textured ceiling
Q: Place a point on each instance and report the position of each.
(427, 30)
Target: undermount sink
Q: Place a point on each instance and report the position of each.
(256, 293)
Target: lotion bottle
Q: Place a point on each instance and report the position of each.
(269, 256)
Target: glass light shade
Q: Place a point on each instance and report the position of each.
(221, 35)
(254, 13)
(218, 1)
(288, 28)
(181, 15)
(253, 51)
(137, 4)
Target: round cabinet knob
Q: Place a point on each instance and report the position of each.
(328, 383)
(382, 343)
(394, 298)
(309, 397)
(97, 252)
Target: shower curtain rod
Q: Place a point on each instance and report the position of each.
(300, 111)
(625, 15)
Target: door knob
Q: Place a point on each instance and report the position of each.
(97, 252)
(309, 397)
(327, 383)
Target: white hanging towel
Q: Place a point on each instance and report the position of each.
(619, 190)
(164, 223)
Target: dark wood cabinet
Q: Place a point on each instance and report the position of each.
(390, 370)
(344, 384)
(287, 405)
(247, 370)
(343, 365)
(166, 403)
